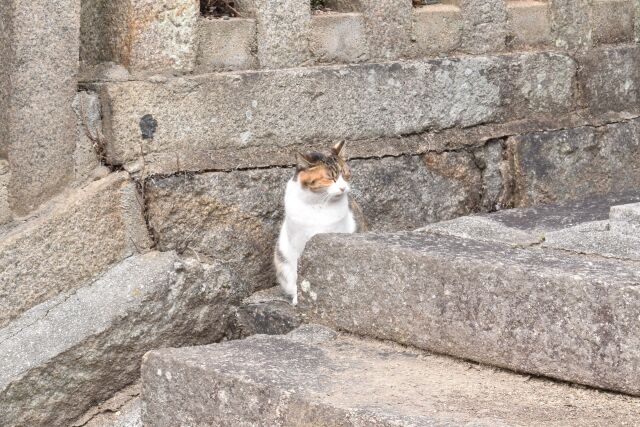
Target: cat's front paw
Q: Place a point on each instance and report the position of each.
(294, 300)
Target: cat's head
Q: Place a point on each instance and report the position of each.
(324, 174)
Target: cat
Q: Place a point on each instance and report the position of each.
(316, 201)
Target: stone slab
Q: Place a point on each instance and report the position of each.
(488, 302)
(5, 207)
(39, 123)
(437, 29)
(388, 28)
(203, 122)
(318, 377)
(267, 312)
(61, 357)
(528, 24)
(551, 167)
(571, 24)
(625, 219)
(226, 45)
(609, 78)
(77, 238)
(338, 38)
(484, 25)
(612, 21)
(283, 32)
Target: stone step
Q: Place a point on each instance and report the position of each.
(75, 238)
(489, 291)
(265, 312)
(315, 376)
(61, 357)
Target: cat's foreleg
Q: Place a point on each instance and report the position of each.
(287, 274)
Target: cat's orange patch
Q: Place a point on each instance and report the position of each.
(315, 178)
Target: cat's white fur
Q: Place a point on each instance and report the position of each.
(308, 213)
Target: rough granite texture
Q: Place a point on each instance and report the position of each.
(315, 376)
(572, 164)
(226, 45)
(528, 24)
(489, 302)
(283, 32)
(571, 23)
(5, 208)
(612, 21)
(437, 29)
(338, 38)
(38, 134)
(90, 139)
(266, 312)
(388, 28)
(61, 357)
(75, 239)
(282, 108)
(122, 410)
(484, 25)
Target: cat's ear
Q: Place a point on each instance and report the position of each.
(338, 150)
(304, 161)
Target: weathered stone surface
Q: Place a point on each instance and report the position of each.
(625, 219)
(485, 25)
(437, 29)
(408, 192)
(5, 208)
(226, 45)
(486, 302)
(122, 410)
(230, 217)
(265, 312)
(528, 24)
(39, 124)
(485, 230)
(572, 164)
(205, 122)
(609, 79)
(388, 27)
(319, 377)
(61, 357)
(612, 21)
(151, 36)
(338, 38)
(77, 238)
(571, 23)
(90, 139)
(283, 32)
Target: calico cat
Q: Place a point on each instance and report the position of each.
(316, 201)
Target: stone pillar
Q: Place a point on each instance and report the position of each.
(38, 123)
(571, 23)
(484, 25)
(388, 27)
(283, 32)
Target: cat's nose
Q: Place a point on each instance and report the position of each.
(342, 189)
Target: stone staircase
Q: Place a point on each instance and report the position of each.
(514, 290)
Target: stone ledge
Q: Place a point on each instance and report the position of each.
(315, 376)
(490, 302)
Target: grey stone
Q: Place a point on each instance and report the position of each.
(637, 21)
(5, 208)
(609, 79)
(122, 410)
(571, 23)
(226, 45)
(283, 32)
(265, 312)
(388, 28)
(485, 230)
(595, 238)
(625, 219)
(485, 25)
(39, 84)
(538, 311)
(338, 38)
(437, 29)
(346, 381)
(61, 357)
(612, 21)
(528, 24)
(573, 164)
(77, 238)
(90, 140)
(229, 217)
(226, 120)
